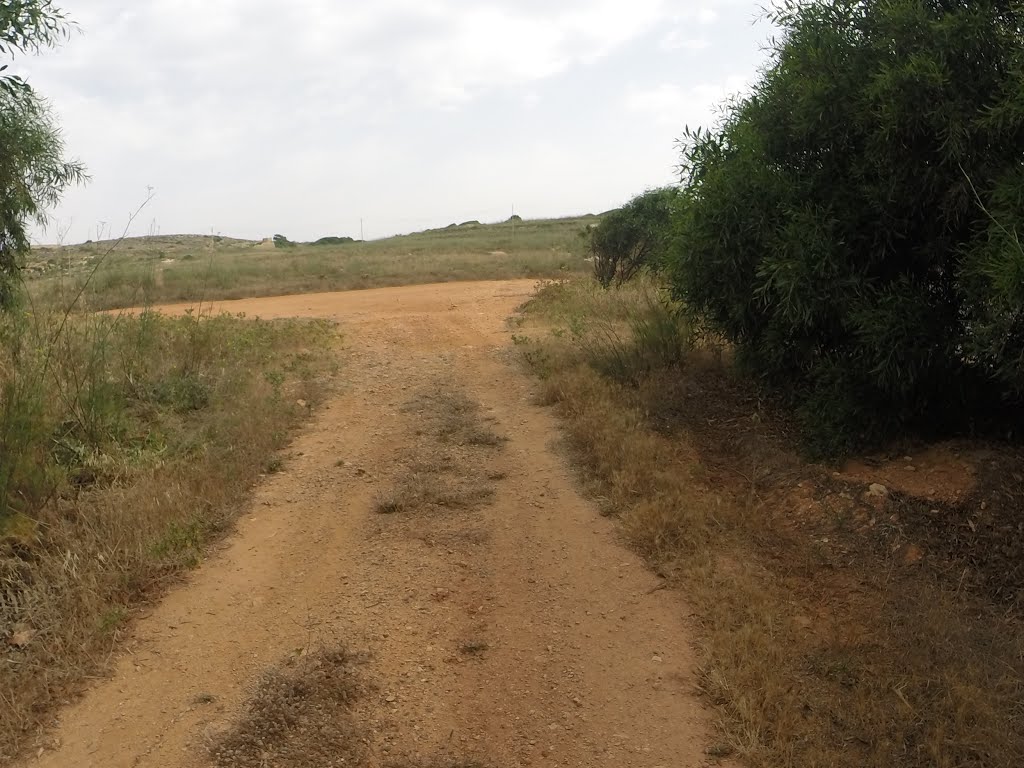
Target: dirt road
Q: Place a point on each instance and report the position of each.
(502, 627)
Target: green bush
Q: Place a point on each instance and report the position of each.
(625, 333)
(33, 169)
(280, 241)
(333, 241)
(852, 224)
(633, 237)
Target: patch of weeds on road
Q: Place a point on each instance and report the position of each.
(473, 647)
(427, 490)
(453, 417)
(447, 466)
(298, 716)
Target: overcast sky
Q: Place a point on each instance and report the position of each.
(253, 117)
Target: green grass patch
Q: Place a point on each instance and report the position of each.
(127, 443)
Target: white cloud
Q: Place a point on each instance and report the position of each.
(697, 105)
(677, 40)
(262, 115)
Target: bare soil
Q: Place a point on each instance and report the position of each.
(512, 631)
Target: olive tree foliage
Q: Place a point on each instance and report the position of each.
(633, 237)
(33, 171)
(853, 224)
(27, 26)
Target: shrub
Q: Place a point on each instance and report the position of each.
(280, 241)
(852, 224)
(624, 333)
(333, 241)
(633, 237)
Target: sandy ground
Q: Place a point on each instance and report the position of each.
(587, 661)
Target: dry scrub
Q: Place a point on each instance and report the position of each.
(299, 716)
(126, 445)
(445, 467)
(826, 639)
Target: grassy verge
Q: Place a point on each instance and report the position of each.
(186, 268)
(126, 444)
(834, 630)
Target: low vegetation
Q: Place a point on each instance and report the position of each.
(303, 712)
(193, 268)
(841, 623)
(445, 465)
(635, 237)
(300, 715)
(127, 443)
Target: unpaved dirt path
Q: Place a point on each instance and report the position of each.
(579, 660)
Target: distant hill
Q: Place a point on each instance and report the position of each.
(173, 268)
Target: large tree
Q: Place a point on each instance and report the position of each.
(853, 223)
(33, 171)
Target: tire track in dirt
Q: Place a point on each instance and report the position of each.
(517, 633)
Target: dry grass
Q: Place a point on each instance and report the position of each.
(822, 644)
(128, 444)
(473, 647)
(446, 467)
(189, 268)
(299, 716)
(453, 418)
(436, 488)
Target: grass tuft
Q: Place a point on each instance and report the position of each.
(446, 467)
(298, 716)
(473, 647)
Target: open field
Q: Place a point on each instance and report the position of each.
(190, 267)
(861, 615)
